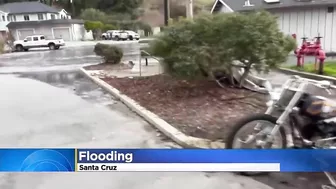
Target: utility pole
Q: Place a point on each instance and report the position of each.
(166, 12)
(190, 8)
(72, 8)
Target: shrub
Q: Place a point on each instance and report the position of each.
(110, 54)
(99, 48)
(196, 48)
(94, 14)
(95, 27)
(107, 27)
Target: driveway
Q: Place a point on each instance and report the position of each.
(45, 102)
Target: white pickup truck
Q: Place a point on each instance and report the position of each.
(37, 41)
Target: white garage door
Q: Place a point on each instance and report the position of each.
(24, 33)
(63, 33)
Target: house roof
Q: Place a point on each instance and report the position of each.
(44, 22)
(238, 5)
(27, 7)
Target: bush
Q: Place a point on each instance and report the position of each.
(107, 27)
(99, 48)
(111, 54)
(196, 48)
(94, 26)
(94, 14)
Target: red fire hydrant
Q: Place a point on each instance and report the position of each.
(321, 56)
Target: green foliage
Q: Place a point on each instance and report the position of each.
(119, 6)
(329, 68)
(111, 54)
(107, 27)
(93, 25)
(99, 48)
(93, 14)
(195, 48)
(127, 25)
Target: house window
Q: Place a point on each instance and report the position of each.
(40, 16)
(3, 18)
(26, 17)
(35, 38)
(330, 9)
(52, 16)
(8, 18)
(14, 18)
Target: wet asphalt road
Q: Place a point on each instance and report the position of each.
(46, 102)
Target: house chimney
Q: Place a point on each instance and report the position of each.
(247, 3)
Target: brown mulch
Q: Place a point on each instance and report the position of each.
(201, 109)
(107, 66)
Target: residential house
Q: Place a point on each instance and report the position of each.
(305, 18)
(26, 18)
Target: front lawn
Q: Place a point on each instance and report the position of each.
(329, 68)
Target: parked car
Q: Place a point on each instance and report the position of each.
(120, 35)
(108, 34)
(105, 36)
(37, 41)
(133, 35)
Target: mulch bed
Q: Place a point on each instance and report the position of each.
(201, 109)
(106, 66)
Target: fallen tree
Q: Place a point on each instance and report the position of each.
(221, 46)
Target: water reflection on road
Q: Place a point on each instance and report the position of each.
(75, 82)
(69, 58)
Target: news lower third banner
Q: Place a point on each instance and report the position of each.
(169, 160)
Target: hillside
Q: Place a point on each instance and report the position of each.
(154, 10)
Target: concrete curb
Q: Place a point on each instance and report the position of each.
(307, 75)
(170, 131)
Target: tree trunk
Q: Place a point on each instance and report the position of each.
(94, 34)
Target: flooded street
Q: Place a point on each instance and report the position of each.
(47, 102)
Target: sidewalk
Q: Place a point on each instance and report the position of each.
(276, 78)
(153, 68)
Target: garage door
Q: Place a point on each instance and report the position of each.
(24, 33)
(63, 33)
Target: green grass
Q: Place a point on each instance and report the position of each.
(329, 68)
